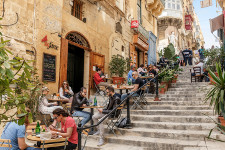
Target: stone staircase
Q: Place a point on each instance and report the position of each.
(177, 122)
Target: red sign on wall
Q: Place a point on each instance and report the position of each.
(134, 24)
(188, 22)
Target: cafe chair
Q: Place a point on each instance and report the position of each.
(99, 91)
(196, 76)
(52, 143)
(113, 120)
(138, 100)
(5, 143)
(45, 118)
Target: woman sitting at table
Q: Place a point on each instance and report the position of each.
(65, 92)
(68, 128)
(44, 106)
(16, 133)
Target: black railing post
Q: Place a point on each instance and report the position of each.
(79, 130)
(156, 89)
(128, 125)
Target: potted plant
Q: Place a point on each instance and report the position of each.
(118, 66)
(217, 93)
(162, 89)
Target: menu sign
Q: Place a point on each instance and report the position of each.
(49, 67)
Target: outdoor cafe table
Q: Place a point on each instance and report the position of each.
(58, 100)
(47, 143)
(126, 87)
(92, 113)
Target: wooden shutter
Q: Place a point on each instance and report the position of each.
(96, 60)
(133, 55)
(63, 61)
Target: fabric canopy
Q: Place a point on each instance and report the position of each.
(217, 23)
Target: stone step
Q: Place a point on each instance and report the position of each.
(173, 125)
(169, 118)
(182, 95)
(185, 92)
(192, 89)
(172, 112)
(182, 99)
(150, 143)
(169, 107)
(170, 134)
(178, 103)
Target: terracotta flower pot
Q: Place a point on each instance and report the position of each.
(117, 80)
(174, 81)
(165, 83)
(222, 121)
(211, 80)
(162, 90)
(175, 76)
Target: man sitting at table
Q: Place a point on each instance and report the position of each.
(129, 76)
(16, 133)
(80, 99)
(113, 101)
(98, 79)
(137, 84)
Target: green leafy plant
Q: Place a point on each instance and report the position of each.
(119, 65)
(169, 52)
(216, 93)
(19, 85)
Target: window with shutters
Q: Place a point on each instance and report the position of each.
(77, 9)
(139, 11)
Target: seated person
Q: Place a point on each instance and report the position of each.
(141, 70)
(152, 72)
(137, 84)
(162, 61)
(44, 106)
(68, 129)
(16, 133)
(80, 99)
(98, 79)
(201, 65)
(65, 92)
(113, 101)
(156, 69)
(129, 76)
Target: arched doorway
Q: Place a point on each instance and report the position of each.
(74, 48)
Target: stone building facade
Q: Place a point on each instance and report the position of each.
(173, 28)
(75, 37)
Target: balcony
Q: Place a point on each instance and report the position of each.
(141, 30)
(156, 6)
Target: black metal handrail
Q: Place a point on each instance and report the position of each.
(128, 124)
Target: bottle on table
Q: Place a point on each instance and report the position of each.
(129, 81)
(95, 101)
(38, 129)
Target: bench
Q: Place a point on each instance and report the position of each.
(5, 143)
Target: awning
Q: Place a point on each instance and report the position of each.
(217, 23)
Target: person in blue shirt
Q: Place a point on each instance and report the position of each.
(16, 133)
(201, 53)
(129, 76)
(190, 57)
(187, 56)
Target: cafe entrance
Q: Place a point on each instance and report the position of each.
(75, 67)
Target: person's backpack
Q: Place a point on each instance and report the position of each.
(122, 123)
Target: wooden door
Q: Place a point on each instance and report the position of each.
(96, 60)
(63, 61)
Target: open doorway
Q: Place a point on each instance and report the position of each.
(75, 67)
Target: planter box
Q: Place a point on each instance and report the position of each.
(117, 80)
(174, 81)
(166, 84)
(162, 90)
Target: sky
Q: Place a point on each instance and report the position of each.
(204, 14)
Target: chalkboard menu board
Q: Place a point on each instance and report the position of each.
(49, 67)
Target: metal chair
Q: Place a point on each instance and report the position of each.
(138, 100)
(196, 76)
(111, 124)
(5, 143)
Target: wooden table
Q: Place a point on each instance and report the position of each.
(126, 87)
(48, 143)
(58, 100)
(92, 113)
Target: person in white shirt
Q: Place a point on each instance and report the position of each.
(141, 70)
(201, 65)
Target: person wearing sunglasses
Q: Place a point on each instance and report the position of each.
(66, 92)
(68, 129)
(137, 84)
(80, 99)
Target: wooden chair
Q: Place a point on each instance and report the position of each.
(196, 76)
(5, 143)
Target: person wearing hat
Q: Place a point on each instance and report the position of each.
(44, 106)
(16, 133)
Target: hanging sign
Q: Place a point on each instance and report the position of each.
(134, 24)
(49, 45)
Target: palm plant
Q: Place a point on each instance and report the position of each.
(216, 93)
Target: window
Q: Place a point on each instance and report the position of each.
(139, 11)
(178, 6)
(77, 9)
(120, 4)
(169, 5)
